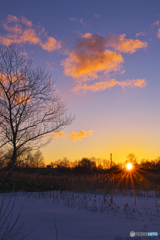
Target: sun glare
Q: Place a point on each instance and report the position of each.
(129, 166)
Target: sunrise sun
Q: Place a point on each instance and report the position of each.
(129, 166)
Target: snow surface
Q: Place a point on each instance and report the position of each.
(85, 216)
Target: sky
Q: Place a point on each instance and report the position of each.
(104, 56)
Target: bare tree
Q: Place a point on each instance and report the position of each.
(29, 108)
(131, 157)
(22, 157)
(30, 163)
(86, 163)
(38, 159)
(52, 164)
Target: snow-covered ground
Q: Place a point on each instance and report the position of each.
(80, 216)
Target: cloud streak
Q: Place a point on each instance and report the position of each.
(77, 136)
(156, 23)
(140, 34)
(59, 134)
(74, 136)
(100, 86)
(22, 31)
(81, 21)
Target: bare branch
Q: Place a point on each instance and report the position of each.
(29, 107)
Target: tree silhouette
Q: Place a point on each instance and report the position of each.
(86, 163)
(38, 159)
(29, 108)
(131, 157)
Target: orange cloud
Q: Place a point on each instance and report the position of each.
(158, 33)
(99, 86)
(15, 28)
(30, 36)
(21, 31)
(139, 82)
(89, 57)
(51, 44)
(59, 134)
(86, 65)
(89, 132)
(73, 136)
(77, 136)
(121, 44)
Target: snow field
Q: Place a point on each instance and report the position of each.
(86, 215)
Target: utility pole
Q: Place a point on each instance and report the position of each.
(111, 160)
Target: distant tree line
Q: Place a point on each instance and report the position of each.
(30, 159)
(99, 163)
(93, 164)
(25, 159)
(84, 165)
(153, 164)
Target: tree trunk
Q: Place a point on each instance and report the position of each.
(12, 168)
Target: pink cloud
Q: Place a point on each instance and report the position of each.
(26, 22)
(11, 18)
(140, 34)
(156, 23)
(78, 20)
(158, 33)
(50, 66)
(96, 15)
